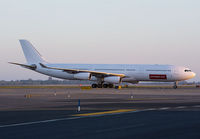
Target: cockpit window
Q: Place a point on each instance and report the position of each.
(187, 70)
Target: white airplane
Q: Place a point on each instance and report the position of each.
(105, 75)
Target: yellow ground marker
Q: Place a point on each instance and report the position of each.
(31, 95)
(105, 112)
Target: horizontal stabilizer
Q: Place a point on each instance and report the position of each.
(32, 67)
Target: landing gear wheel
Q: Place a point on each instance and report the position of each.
(94, 85)
(175, 87)
(105, 85)
(116, 87)
(99, 85)
(110, 85)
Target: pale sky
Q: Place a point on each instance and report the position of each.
(100, 31)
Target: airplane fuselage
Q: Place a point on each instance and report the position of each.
(133, 72)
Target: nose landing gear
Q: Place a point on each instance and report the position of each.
(175, 85)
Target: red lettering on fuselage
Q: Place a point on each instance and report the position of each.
(158, 76)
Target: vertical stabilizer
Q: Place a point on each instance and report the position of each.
(31, 54)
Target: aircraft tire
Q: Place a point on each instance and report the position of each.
(99, 85)
(116, 87)
(110, 85)
(175, 87)
(94, 85)
(105, 85)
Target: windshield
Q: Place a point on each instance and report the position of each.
(187, 70)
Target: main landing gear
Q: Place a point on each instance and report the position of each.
(102, 86)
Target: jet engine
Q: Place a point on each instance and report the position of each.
(112, 79)
(82, 76)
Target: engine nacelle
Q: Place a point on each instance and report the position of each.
(112, 79)
(82, 76)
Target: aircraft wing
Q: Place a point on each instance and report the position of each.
(95, 73)
(32, 67)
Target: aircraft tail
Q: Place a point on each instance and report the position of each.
(31, 54)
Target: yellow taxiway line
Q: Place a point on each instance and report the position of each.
(105, 112)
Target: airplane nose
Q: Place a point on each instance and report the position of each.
(193, 74)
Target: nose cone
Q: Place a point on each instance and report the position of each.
(193, 74)
(190, 75)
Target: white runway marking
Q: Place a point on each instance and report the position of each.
(38, 122)
(196, 106)
(62, 119)
(71, 118)
(180, 107)
(151, 109)
(164, 108)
